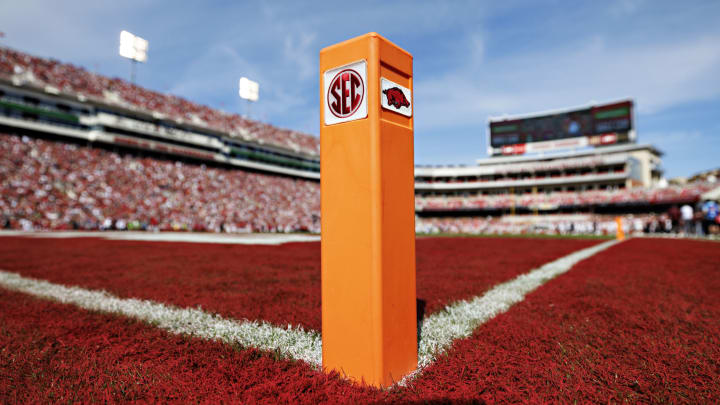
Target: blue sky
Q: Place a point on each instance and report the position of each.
(471, 60)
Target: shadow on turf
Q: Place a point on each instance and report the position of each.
(420, 310)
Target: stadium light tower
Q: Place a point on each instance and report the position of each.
(248, 90)
(134, 48)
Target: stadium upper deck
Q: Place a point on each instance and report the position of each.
(43, 95)
(612, 167)
(604, 168)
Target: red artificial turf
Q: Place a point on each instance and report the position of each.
(279, 284)
(639, 322)
(635, 323)
(53, 353)
(451, 268)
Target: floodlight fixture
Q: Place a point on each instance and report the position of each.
(134, 48)
(248, 89)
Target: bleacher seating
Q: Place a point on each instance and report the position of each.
(667, 195)
(53, 185)
(74, 80)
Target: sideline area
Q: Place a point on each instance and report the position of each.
(193, 237)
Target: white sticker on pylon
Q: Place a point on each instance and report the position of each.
(345, 93)
(395, 97)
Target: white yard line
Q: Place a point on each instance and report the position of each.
(439, 330)
(290, 342)
(459, 320)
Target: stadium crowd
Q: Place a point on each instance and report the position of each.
(53, 185)
(704, 221)
(667, 195)
(545, 224)
(22, 68)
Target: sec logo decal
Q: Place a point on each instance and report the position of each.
(345, 93)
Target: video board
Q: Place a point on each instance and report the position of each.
(595, 125)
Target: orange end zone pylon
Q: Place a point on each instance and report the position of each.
(369, 324)
(620, 234)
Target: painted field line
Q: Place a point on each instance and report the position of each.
(190, 237)
(290, 342)
(459, 320)
(439, 330)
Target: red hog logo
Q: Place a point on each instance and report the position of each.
(396, 97)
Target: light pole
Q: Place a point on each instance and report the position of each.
(248, 90)
(134, 48)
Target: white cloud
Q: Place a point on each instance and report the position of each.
(471, 60)
(298, 52)
(656, 76)
(674, 139)
(213, 75)
(622, 8)
(477, 49)
(84, 32)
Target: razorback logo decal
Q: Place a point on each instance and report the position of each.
(396, 98)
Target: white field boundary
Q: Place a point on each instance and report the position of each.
(289, 342)
(439, 330)
(458, 320)
(193, 237)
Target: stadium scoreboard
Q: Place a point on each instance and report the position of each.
(598, 125)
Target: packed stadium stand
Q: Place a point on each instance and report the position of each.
(570, 200)
(553, 224)
(48, 96)
(83, 151)
(55, 185)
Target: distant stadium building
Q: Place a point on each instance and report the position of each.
(576, 160)
(610, 168)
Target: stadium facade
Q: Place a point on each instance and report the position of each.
(581, 160)
(615, 167)
(542, 161)
(48, 97)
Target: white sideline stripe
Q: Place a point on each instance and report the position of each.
(459, 320)
(439, 330)
(289, 342)
(239, 239)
